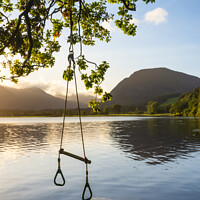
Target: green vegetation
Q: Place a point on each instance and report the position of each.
(72, 113)
(188, 104)
(152, 107)
(44, 113)
(116, 108)
(184, 105)
(170, 101)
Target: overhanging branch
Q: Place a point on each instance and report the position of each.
(25, 12)
(128, 7)
(27, 19)
(4, 16)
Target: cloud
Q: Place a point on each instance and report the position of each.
(55, 87)
(135, 21)
(157, 16)
(109, 25)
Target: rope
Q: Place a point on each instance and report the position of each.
(71, 27)
(67, 88)
(64, 115)
(71, 48)
(87, 186)
(71, 61)
(79, 28)
(80, 121)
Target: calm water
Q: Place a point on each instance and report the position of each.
(132, 158)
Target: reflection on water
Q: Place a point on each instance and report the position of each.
(132, 158)
(46, 136)
(157, 140)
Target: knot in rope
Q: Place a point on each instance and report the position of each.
(71, 59)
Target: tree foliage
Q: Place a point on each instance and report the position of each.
(152, 107)
(188, 104)
(116, 108)
(106, 110)
(30, 31)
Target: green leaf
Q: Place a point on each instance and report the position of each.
(68, 75)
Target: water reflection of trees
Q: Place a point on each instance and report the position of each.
(157, 140)
(153, 140)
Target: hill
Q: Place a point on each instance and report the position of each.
(152, 84)
(30, 99)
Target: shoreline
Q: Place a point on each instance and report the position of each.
(102, 115)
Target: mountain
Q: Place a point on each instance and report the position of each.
(83, 98)
(152, 84)
(142, 86)
(30, 99)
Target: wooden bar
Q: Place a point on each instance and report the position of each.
(74, 156)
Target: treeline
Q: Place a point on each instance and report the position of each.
(186, 105)
(43, 113)
(21, 113)
(115, 109)
(152, 108)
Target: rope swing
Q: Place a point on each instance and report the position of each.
(61, 150)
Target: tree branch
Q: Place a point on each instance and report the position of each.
(29, 38)
(48, 10)
(27, 10)
(4, 16)
(14, 33)
(127, 6)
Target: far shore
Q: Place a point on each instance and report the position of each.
(103, 115)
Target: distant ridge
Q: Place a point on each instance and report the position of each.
(150, 84)
(29, 99)
(142, 86)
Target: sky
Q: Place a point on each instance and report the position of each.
(167, 36)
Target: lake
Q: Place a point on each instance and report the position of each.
(133, 158)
